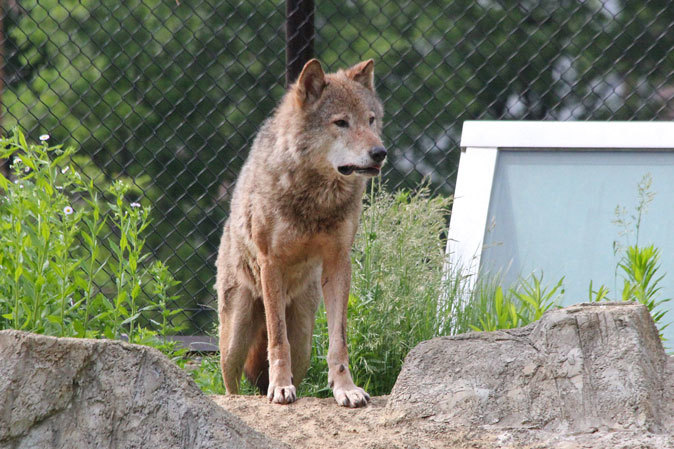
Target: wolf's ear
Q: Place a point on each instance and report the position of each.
(363, 73)
(310, 83)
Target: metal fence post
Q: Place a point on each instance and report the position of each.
(4, 163)
(299, 36)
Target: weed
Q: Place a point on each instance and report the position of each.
(638, 265)
(525, 302)
(70, 264)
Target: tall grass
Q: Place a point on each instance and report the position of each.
(397, 283)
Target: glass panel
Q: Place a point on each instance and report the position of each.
(553, 212)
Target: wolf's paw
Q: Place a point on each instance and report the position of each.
(282, 395)
(352, 396)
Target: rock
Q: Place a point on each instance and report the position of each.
(78, 393)
(584, 368)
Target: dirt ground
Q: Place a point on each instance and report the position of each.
(320, 423)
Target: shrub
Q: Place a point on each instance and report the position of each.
(71, 264)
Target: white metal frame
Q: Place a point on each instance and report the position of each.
(481, 142)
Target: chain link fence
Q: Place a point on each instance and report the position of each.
(170, 93)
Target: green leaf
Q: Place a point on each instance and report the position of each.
(131, 319)
(87, 239)
(122, 310)
(22, 140)
(123, 242)
(18, 271)
(102, 303)
(4, 182)
(44, 231)
(115, 249)
(54, 319)
(109, 333)
(78, 326)
(80, 282)
(135, 290)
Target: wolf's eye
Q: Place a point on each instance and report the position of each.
(371, 120)
(342, 123)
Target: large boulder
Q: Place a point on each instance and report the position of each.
(77, 393)
(584, 368)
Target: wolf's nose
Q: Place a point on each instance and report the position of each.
(378, 154)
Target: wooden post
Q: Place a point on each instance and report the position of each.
(299, 36)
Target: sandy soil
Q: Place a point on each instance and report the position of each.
(320, 423)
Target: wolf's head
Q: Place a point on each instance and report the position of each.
(341, 119)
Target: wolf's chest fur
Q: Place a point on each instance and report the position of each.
(315, 204)
(294, 216)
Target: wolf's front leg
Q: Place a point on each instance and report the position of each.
(336, 286)
(281, 389)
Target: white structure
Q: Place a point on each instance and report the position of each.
(542, 196)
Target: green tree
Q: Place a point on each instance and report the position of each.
(167, 94)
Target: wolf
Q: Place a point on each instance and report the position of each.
(287, 242)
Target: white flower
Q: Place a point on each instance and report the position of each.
(135, 205)
(65, 169)
(44, 137)
(27, 169)
(67, 210)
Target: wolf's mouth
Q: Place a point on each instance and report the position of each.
(346, 170)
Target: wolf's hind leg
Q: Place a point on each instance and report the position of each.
(239, 324)
(301, 316)
(256, 367)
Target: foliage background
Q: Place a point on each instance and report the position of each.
(170, 94)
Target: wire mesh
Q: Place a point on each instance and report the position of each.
(171, 93)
